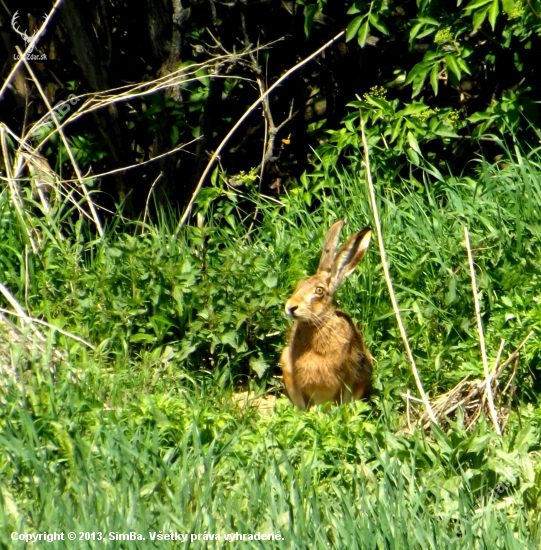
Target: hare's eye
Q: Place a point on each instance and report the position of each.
(320, 290)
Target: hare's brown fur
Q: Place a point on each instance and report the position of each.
(326, 359)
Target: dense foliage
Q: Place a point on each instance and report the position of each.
(143, 434)
(470, 67)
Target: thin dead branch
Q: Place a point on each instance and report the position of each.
(488, 385)
(254, 105)
(85, 192)
(469, 394)
(149, 195)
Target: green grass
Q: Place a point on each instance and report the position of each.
(142, 434)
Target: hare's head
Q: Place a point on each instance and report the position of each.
(313, 298)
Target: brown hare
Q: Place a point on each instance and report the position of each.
(326, 359)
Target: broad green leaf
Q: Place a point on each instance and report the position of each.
(148, 489)
(353, 27)
(356, 8)
(420, 82)
(479, 17)
(480, 115)
(434, 78)
(494, 12)
(426, 32)
(463, 65)
(363, 33)
(453, 65)
(309, 18)
(412, 108)
(397, 127)
(508, 6)
(415, 71)
(376, 22)
(415, 30)
(174, 135)
(270, 281)
(479, 443)
(429, 21)
(412, 140)
(474, 4)
(229, 338)
(259, 365)
(441, 437)
(114, 252)
(445, 131)
(142, 337)
(413, 156)
(526, 438)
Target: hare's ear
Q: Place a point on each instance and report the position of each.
(349, 255)
(329, 248)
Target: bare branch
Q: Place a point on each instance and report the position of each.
(256, 103)
(387, 274)
(488, 385)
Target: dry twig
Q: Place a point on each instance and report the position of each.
(256, 103)
(488, 385)
(85, 192)
(387, 274)
(470, 394)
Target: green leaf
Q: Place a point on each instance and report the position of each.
(309, 19)
(414, 144)
(142, 337)
(493, 12)
(450, 296)
(412, 109)
(420, 82)
(415, 30)
(356, 8)
(508, 6)
(478, 443)
(474, 4)
(229, 338)
(434, 78)
(480, 115)
(413, 156)
(353, 27)
(442, 439)
(479, 17)
(414, 72)
(526, 438)
(363, 33)
(148, 489)
(114, 252)
(453, 65)
(445, 131)
(376, 22)
(270, 281)
(463, 65)
(397, 128)
(174, 135)
(259, 365)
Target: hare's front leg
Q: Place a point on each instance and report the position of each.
(293, 392)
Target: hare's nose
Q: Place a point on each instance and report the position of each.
(290, 310)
